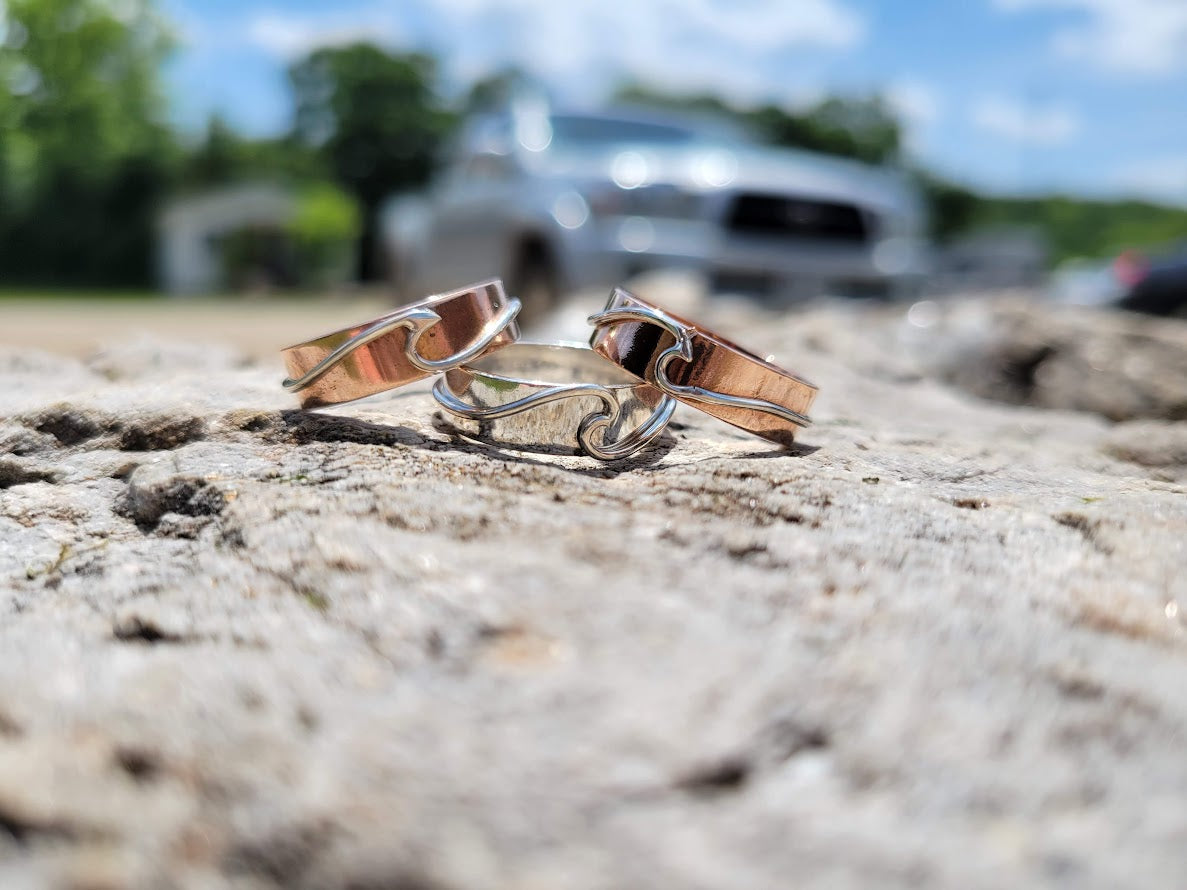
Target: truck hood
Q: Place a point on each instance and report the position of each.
(741, 168)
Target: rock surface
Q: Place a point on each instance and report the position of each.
(941, 643)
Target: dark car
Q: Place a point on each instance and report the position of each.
(1159, 287)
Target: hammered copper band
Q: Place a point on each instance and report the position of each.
(398, 348)
(707, 372)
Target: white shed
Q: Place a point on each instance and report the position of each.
(191, 230)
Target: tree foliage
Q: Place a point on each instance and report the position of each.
(326, 227)
(375, 118)
(224, 157)
(83, 144)
(1075, 227)
(863, 128)
(953, 209)
(86, 155)
(500, 89)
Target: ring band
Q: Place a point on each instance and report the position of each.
(702, 369)
(414, 342)
(555, 393)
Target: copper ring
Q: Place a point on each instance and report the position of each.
(414, 342)
(701, 369)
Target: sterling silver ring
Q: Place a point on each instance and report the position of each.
(558, 394)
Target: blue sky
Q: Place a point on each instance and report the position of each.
(1087, 96)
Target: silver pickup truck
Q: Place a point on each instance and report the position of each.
(557, 201)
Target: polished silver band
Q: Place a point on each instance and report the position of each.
(683, 350)
(554, 394)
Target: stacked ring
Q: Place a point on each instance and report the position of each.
(608, 400)
(695, 366)
(410, 344)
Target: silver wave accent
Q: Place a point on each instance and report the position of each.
(682, 350)
(417, 319)
(592, 427)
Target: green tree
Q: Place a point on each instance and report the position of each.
(220, 157)
(325, 230)
(863, 128)
(952, 208)
(860, 128)
(84, 149)
(498, 90)
(377, 121)
(224, 157)
(1088, 228)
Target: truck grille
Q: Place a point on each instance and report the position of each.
(798, 218)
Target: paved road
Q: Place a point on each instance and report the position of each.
(258, 327)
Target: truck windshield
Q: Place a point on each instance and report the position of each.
(572, 129)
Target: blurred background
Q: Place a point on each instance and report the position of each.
(153, 151)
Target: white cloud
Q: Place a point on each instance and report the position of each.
(289, 35)
(764, 26)
(757, 25)
(734, 48)
(916, 102)
(1137, 36)
(1024, 124)
(918, 107)
(738, 49)
(743, 50)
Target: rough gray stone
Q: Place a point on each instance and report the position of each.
(937, 644)
(1118, 365)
